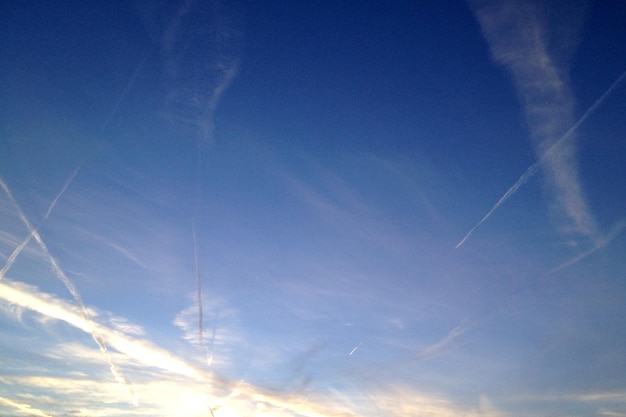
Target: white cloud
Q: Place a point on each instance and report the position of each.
(25, 408)
(164, 384)
(220, 333)
(519, 39)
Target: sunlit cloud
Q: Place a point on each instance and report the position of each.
(221, 321)
(24, 408)
(198, 389)
(610, 413)
(402, 401)
(49, 306)
(61, 275)
(141, 351)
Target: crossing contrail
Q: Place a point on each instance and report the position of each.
(534, 167)
(117, 374)
(21, 246)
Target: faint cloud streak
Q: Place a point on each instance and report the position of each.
(24, 407)
(443, 344)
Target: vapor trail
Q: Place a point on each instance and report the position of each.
(22, 245)
(432, 350)
(210, 349)
(599, 244)
(533, 168)
(355, 348)
(198, 285)
(525, 177)
(117, 374)
(130, 84)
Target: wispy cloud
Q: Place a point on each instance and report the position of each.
(610, 413)
(124, 251)
(518, 36)
(610, 403)
(151, 356)
(50, 306)
(199, 77)
(223, 323)
(26, 408)
(443, 344)
(168, 385)
(401, 401)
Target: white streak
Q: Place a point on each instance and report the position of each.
(598, 244)
(198, 288)
(153, 356)
(552, 149)
(24, 407)
(50, 306)
(434, 349)
(212, 344)
(119, 101)
(525, 177)
(21, 246)
(355, 348)
(117, 374)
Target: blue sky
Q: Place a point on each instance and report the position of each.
(313, 209)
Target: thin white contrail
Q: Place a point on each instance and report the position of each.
(533, 168)
(117, 374)
(34, 233)
(21, 246)
(525, 177)
(599, 244)
(121, 98)
(355, 348)
(440, 346)
(212, 343)
(198, 286)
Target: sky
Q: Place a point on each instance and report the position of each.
(313, 209)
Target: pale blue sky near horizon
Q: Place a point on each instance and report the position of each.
(313, 209)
